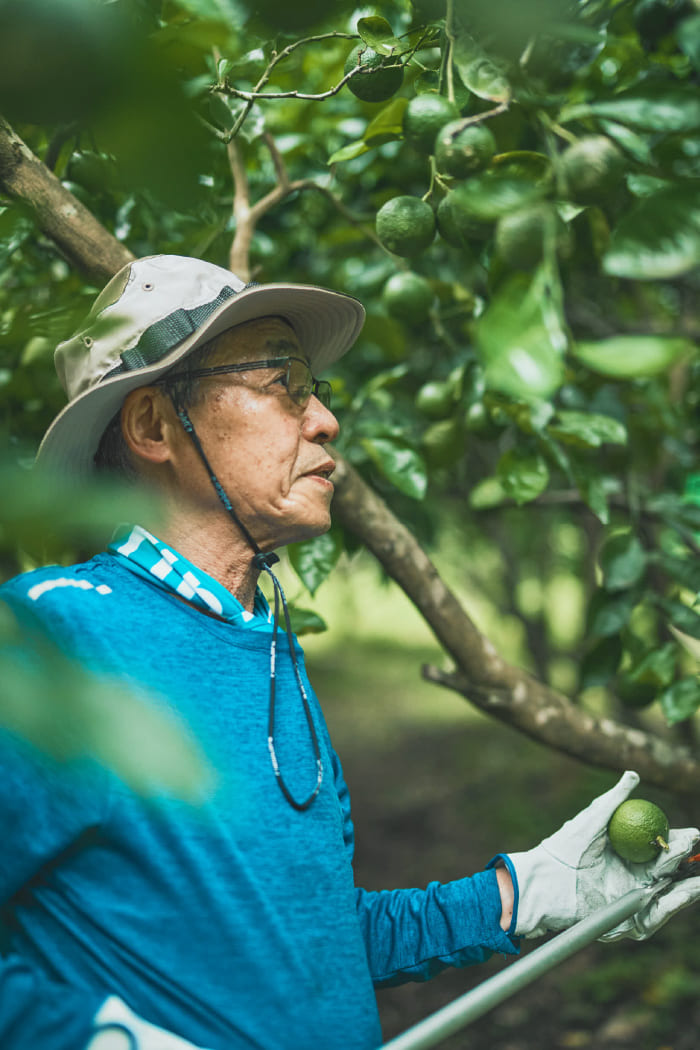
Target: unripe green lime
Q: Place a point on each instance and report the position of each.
(521, 234)
(405, 225)
(638, 830)
(443, 443)
(592, 168)
(435, 399)
(408, 297)
(459, 151)
(455, 223)
(423, 118)
(383, 76)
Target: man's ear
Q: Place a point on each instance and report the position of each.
(149, 424)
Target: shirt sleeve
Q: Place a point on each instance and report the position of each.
(413, 934)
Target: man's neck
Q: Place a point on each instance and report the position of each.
(217, 551)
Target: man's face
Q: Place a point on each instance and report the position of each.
(266, 450)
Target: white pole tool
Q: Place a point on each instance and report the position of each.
(495, 990)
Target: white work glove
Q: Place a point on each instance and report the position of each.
(576, 871)
(119, 1028)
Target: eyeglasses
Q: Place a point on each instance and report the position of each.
(298, 380)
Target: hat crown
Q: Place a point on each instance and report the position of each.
(142, 294)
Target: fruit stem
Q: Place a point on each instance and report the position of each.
(661, 842)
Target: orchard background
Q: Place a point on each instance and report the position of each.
(519, 442)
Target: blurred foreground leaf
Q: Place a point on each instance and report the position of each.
(70, 714)
(45, 514)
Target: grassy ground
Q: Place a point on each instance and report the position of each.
(437, 790)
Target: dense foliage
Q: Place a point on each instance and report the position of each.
(529, 358)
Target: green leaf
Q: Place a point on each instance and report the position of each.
(588, 429)
(629, 140)
(622, 561)
(520, 348)
(387, 125)
(400, 464)
(609, 613)
(632, 356)
(67, 712)
(523, 477)
(306, 621)
(479, 73)
(651, 107)
(681, 700)
(680, 616)
(490, 194)
(688, 36)
(658, 238)
(378, 34)
(685, 571)
(349, 152)
(656, 668)
(601, 662)
(690, 644)
(314, 559)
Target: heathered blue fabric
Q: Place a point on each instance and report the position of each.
(236, 924)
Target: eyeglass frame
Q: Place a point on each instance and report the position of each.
(319, 388)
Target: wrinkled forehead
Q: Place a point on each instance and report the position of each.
(265, 337)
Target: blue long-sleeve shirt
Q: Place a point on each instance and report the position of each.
(237, 923)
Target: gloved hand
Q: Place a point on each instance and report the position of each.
(119, 1028)
(576, 871)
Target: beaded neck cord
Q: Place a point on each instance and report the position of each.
(263, 562)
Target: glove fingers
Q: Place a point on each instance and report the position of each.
(679, 896)
(680, 844)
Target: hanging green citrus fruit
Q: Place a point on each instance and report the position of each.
(423, 118)
(408, 297)
(455, 223)
(460, 150)
(638, 830)
(405, 225)
(592, 168)
(443, 443)
(381, 78)
(435, 399)
(521, 234)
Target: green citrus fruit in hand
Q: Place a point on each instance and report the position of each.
(638, 830)
(405, 225)
(424, 117)
(381, 78)
(520, 235)
(408, 297)
(592, 168)
(459, 151)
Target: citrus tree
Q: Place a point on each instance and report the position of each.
(511, 189)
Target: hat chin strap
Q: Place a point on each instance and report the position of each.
(263, 562)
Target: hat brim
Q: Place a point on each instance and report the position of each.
(326, 323)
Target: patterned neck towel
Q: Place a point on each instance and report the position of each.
(149, 557)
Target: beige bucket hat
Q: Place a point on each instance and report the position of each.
(154, 312)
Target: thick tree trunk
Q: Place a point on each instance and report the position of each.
(84, 242)
(482, 676)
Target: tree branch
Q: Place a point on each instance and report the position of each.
(77, 233)
(482, 676)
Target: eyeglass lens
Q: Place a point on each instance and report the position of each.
(301, 384)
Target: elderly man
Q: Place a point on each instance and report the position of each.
(237, 924)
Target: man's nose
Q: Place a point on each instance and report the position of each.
(319, 422)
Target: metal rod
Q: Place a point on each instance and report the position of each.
(495, 990)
